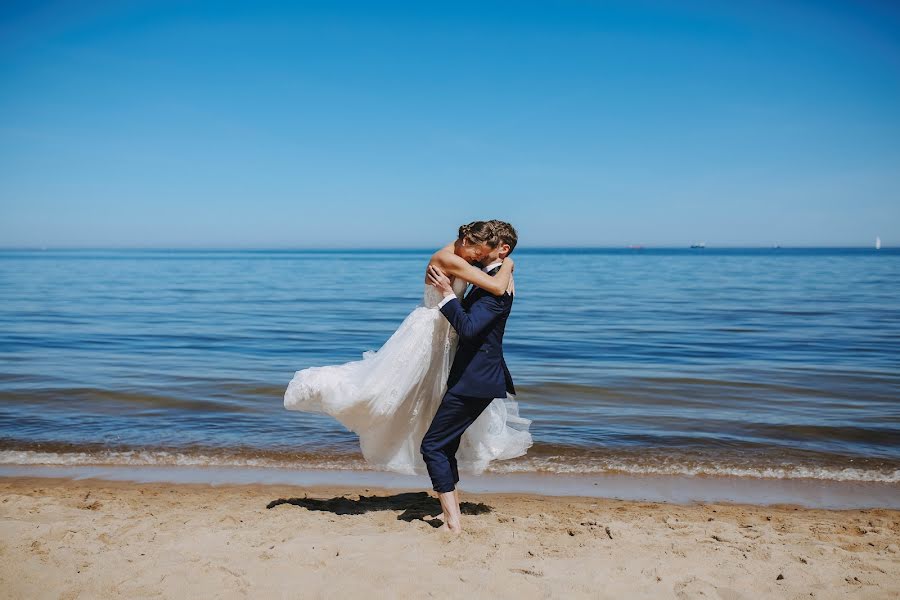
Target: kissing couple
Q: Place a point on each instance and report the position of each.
(437, 398)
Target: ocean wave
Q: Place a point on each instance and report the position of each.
(171, 458)
(828, 473)
(534, 465)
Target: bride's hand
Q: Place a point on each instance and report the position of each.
(434, 276)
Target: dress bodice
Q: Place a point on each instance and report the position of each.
(433, 296)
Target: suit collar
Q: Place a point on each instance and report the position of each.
(492, 266)
(490, 269)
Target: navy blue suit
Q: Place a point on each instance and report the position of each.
(477, 376)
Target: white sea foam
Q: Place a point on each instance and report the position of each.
(785, 472)
(544, 465)
(166, 458)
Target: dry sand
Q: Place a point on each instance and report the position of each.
(98, 539)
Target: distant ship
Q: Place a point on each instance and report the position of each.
(699, 245)
(877, 243)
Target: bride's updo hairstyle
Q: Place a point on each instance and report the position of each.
(506, 234)
(479, 232)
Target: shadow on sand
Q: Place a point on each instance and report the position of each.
(415, 506)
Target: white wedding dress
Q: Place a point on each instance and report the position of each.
(390, 397)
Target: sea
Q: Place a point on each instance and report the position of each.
(750, 363)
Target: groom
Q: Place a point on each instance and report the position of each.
(477, 376)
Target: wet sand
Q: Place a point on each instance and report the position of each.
(63, 538)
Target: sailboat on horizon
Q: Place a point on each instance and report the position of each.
(877, 243)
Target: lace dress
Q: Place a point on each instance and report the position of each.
(390, 397)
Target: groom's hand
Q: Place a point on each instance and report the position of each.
(434, 276)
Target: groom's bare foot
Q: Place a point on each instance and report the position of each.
(443, 515)
(452, 520)
(455, 529)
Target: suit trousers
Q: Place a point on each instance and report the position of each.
(441, 441)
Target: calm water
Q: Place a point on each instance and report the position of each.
(762, 363)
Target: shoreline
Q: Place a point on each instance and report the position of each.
(671, 489)
(92, 538)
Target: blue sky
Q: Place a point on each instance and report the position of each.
(336, 124)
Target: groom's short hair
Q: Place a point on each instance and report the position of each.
(506, 233)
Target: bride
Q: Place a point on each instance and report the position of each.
(390, 396)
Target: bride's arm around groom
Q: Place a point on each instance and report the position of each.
(453, 265)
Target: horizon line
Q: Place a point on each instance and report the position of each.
(422, 248)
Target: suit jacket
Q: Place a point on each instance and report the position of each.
(479, 368)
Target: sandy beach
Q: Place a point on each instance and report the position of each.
(100, 539)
